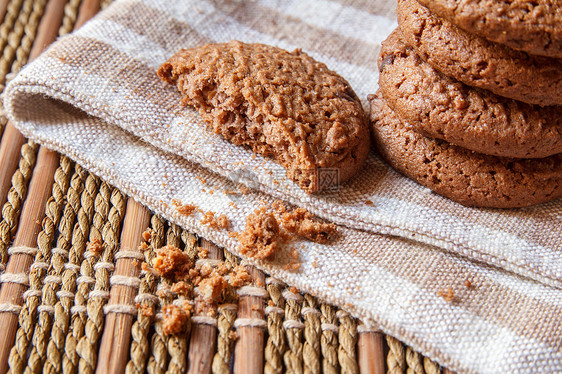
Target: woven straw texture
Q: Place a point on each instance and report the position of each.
(95, 98)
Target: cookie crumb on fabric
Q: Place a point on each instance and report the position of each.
(174, 319)
(186, 209)
(261, 236)
(215, 222)
(243, 190)
(447, 294)
(468, 284)
(301, 222)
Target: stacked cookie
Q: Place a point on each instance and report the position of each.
(470, 100)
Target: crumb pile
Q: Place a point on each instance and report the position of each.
(267, 231)
(203, 283)
(463, 112)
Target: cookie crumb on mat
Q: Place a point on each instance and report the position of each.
(95, 246)
(172, 262)
(174, 319)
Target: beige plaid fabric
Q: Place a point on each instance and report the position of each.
(95, 96)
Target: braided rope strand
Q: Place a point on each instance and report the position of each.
(10, 18)
(348, 339)
(12, 12)
(396, 359)
(225, 325)
(59, 259)
(62, 309)
(87, 346)
(54, 209)
(70, 16)
(14, 39)
(312, 332)
(293, 356)
(329, 340)
(276, 345)
(86, 278)
(414, 361)
(177, 344)
(16, 195)
(140, 345)
(158, 360)
(23, 47)
(430, 366)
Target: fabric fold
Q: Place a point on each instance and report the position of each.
(95, 96)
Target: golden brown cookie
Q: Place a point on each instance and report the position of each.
(531, 26)
(283, 105)
(470, 178)
(441, 107)
(478, 62)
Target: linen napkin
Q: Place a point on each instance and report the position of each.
(94, 96)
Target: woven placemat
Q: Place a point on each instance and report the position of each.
(64, 310)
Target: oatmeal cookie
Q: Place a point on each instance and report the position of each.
(281, 104)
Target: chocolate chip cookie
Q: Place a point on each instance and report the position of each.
(467, 177)
(478, 62)
(531, 26)
(441, 107)
(281, 104)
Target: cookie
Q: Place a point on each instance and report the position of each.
(478, 62)
(531, 26)
(281, 104)
(470, 178)
(441, 107)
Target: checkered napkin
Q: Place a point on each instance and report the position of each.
(95, 97)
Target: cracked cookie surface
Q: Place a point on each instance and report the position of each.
(478, 62)
(441, 107)
(531, 26)
(469, 178)
(281, 104)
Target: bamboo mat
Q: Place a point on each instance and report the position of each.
(65, 308)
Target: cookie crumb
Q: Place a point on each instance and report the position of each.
(147, 235)
(447, 294)
(145, 309)
(368, 202)
(220, 222)
(239, 277)
(302, 223)
(260, 238)
(202, 252)
(95, 246)
(186, 209)
(182, 288)
(468, 284)
(211, 287)
(172, 262)
(174, 319)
